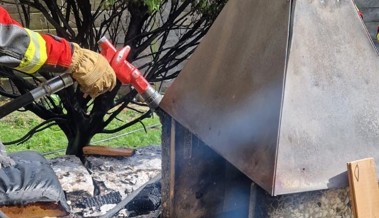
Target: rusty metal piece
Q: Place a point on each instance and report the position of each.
(205, 185)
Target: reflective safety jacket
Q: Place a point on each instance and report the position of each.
(28, 51)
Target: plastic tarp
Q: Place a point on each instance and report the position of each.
(31, 180)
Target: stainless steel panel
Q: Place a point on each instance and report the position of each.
(330, 112)
(290, 137)
(229, 93)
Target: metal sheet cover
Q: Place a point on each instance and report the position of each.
(330, 112)
(229, 93)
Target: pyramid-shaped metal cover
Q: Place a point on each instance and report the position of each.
(285, 91)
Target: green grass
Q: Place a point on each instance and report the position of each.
(134, 136)
(52, 139)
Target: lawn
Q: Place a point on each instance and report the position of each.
(52, 142)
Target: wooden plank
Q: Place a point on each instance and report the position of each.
(108, 151)
(364, 190)
(34, 210)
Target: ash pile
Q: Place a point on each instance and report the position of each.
(112, 186)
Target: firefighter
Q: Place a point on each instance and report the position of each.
(29, 51)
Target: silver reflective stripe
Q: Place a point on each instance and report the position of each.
(14, 41)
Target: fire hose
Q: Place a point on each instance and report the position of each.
(126, 73)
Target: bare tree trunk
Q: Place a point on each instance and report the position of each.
(147, 31)
(77, 142)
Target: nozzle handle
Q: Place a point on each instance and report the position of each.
(127, 73)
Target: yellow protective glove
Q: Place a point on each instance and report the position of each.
(92, 71)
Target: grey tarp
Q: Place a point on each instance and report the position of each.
(31, 180)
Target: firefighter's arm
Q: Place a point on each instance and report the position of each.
(28, 51)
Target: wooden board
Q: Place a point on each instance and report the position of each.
(364, 190)
(107, 151)
(36, 210)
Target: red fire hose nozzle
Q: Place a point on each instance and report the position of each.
(127, 73)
